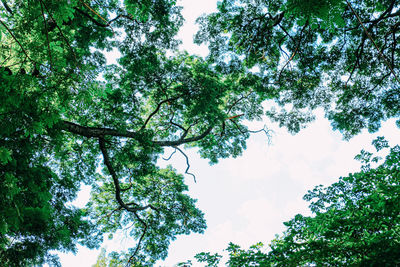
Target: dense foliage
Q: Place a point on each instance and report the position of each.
(337, 54)
(355, 222)
(66, 117)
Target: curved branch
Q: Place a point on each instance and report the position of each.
(265, 130)
(156, 110)
(185, 131)
(110, 168)
(118, 190)
(122, 16)
(187, 163)
(295, 50)
(170, 156)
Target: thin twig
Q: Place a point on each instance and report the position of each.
(170, 156)
(287, 62)
(93, 11)
(265, 130)
(294, 52)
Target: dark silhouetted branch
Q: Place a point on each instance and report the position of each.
(7, 7)
(156, 110)
(170, 156)
(94, 131)
(187, 163)
(15, 38)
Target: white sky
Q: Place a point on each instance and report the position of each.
(246, 200)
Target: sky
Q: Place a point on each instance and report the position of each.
(247, 199)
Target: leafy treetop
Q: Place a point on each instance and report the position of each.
(355, 222)
(336, 54)
(65, 113)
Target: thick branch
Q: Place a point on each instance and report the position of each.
(94, 131)
(99, 132)
(7, 7)
(110, 168)
(118, 190)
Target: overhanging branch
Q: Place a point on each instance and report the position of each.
(94, 131)
(99, 132)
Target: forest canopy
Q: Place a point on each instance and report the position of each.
(355, 222)
(68, 118)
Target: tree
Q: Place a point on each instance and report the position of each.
(356, 219)
(355, 222)
(336, 54)
(65, 113)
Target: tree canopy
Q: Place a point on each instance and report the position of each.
(355, 222)
(335, 54)
(67, 117)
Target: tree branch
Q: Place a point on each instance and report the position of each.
(94, 131)
(99, 132)
(156, 110)
(170, 156)
(110, 168)
(7, 7)
(97, 14)
(184, 141)
(66, 40)
(15, 38)
(373, 42)
(90, 18)
(187, 163)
